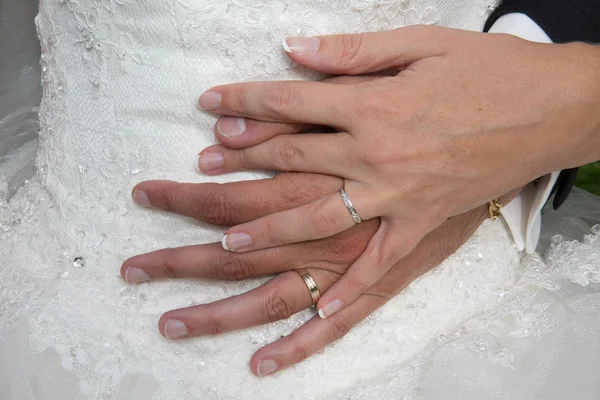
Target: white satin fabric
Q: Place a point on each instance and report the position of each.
(120, 82)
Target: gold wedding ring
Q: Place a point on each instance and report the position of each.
(313, 289)
(495, 209)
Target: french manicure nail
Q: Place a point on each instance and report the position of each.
(236, 241)
(136, 275)
(208, 162)
(210, 101)
(266, 367)
(175, 329)
(231, 127)
(141, 199)
(301, 45)
(330, 308)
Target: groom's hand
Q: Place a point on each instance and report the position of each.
(285, 294)
(231, 203)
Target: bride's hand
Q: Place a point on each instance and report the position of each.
(468, 116)
(285, 294)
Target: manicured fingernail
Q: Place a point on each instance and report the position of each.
(141, 199)
(175, 329)
(210, 101)
(136, 275)
(210, 161)
(236, 241)
(330, 308)
(301, 45)
(231, 127)
(266, 367)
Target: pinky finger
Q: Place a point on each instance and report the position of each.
(318, 220)
(312, 337)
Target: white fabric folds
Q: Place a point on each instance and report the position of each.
(120, 80)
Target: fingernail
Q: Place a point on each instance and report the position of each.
(175, 329)
(266, 367)
(236, 241)
(231, 127)
(301, 45)
(330, 308)
(210, 161)
(210, 101)
(136, 275)
(141, 199)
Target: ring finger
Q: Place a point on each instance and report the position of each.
(278, 299)
(321, 219)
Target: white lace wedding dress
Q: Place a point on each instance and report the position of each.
(120, 80)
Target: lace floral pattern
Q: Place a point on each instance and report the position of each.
(101, 43)
(120, 82)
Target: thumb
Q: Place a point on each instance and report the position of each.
(362, 53)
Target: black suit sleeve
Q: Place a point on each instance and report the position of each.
(564, 21)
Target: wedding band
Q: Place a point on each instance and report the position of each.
(313, 289)
(350, 207)
(495, 209)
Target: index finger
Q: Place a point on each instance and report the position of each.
(236, 202)
(238, 133)
(318, 103)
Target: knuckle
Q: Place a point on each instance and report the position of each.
(235, 267)
(387, 290)
(384, 258)
(297, 189)
(358, 284)
(349, 48)
(322, 223)
(286, 153)
(174, 200)
(171, 266)
(337, 328)
(370, 105)
(389, 258)
(235, 98)
(299, 353)
(277, 307)
(292, 188)
(346, 248)
(366, 158)
(271, 232)
(215, 208)
(279, 97)
(243, 159)
(214, 325)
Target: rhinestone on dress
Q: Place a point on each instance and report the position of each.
(78, 262)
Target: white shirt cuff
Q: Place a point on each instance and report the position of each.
(524, 214)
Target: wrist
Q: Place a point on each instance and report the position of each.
(572, 117)
(595, 84)
(588, 86)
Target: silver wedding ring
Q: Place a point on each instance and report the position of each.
(350, 207)
(313, 289)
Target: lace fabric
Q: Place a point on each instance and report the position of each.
(120, 81)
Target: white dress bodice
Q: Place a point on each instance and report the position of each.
(121, 79)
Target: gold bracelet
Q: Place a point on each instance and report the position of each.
(495, 208)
